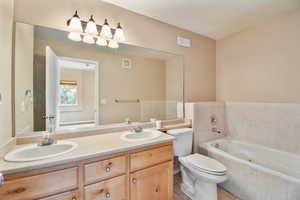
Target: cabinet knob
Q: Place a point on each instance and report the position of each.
(134, 181)
(1, 180)
(107, 195)
(107, 169)
(74, 198)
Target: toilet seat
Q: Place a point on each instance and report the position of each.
(205, 164)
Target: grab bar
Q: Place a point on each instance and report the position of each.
(127, 100)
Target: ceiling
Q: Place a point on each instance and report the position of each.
(213, 18)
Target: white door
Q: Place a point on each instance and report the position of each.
(52, 86)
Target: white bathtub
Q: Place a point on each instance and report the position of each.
(256, 172)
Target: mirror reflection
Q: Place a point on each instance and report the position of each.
(61, 84)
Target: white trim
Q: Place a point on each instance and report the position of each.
(97, 83)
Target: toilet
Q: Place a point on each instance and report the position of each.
(200, 174)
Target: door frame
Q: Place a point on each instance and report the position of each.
(97, 83)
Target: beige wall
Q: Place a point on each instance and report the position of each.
(23, 78)
(199, 60)
(6, 22)
(262, 63)
(146, 81)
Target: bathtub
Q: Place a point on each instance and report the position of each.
(256, 172)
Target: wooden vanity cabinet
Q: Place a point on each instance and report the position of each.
(71, 195)
(141, 174)
(154, 183)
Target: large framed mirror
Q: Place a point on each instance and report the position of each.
(61, 84)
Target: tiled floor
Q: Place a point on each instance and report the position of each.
(178, 195)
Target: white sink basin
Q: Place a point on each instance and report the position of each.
(146, 134)
(36, 152)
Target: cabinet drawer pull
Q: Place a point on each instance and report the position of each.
(107, 195)
(107, 169)
(134, 181)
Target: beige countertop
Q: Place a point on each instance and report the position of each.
(88, 147)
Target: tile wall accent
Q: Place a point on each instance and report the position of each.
(201, 113)
(274, 125)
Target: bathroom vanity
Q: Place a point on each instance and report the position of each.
(143, 171)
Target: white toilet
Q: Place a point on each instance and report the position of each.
(200, 174)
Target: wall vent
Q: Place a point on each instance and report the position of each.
(184, 42)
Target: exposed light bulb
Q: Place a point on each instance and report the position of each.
(91, 27)
(106, 31)
(75, 23)
(74, 36)
(101, 41)
(88, 39)
(113, 44)
(119, 34)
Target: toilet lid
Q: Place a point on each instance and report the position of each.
(205, 163)
(180, 131)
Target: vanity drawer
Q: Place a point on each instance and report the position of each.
(114, 189)
(71, 195)
(150, 157)
(104, 169)
(41, 185)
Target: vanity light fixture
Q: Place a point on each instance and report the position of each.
(113, 44)
(104, 34)
(88, 39)
(91, 27)
(106, 31)
(74, 36)
(75, 23)
(119, 34)
(101, 41)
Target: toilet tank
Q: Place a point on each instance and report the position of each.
(184, 141)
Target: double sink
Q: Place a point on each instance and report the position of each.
(37, 152)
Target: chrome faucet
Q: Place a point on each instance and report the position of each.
(217, 130)
(46, 140)
(137, 129)
(127, 121)
(213, 122)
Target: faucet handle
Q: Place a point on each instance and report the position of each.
(137, 129)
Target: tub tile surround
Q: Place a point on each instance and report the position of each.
(273, 125)
(200, 114)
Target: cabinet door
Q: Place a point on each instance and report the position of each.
(72, 195)
(154, 183)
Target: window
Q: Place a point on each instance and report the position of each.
(68, 93)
